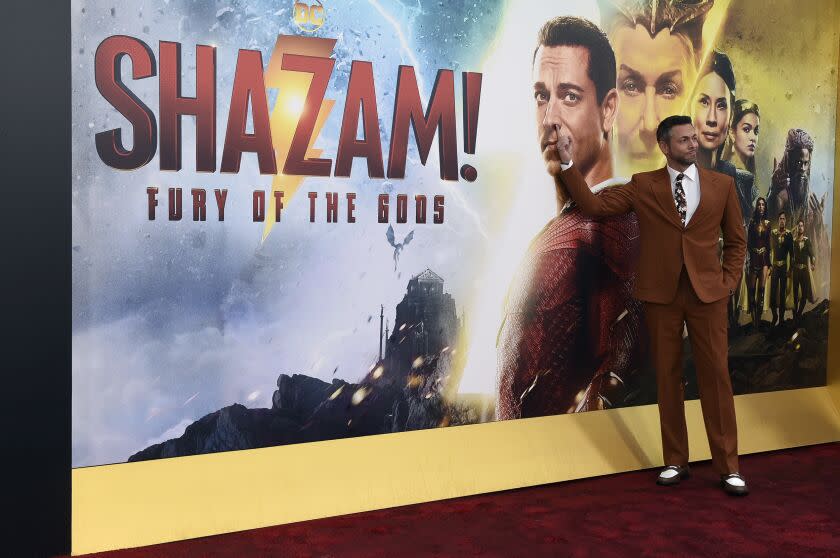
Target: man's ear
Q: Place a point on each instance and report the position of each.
(609, 108)
(663, 147)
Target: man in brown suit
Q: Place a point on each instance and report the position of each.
(681, 211)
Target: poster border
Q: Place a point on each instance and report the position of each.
(138, 504)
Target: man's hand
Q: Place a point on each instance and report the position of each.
(564, 145)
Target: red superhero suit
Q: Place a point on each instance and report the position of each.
(572, 333)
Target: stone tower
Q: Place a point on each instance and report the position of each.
(426, 323)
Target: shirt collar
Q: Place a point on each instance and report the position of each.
(690, 173)
(609, 182)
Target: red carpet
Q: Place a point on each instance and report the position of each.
(793, 510)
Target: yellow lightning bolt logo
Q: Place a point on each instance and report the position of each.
(292, 88)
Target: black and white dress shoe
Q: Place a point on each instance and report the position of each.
(672, 474)
(734, 484)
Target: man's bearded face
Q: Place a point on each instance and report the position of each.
(800, 163)
(682, 144)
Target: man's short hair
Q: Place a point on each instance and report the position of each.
(663, 131)
(576, 31)
(782, 213)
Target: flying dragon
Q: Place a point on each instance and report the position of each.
(397, 247)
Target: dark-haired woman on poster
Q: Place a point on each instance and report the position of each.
(713, 105)
(739, 158)
(742, 142)
(714, 108)
(758, 251)
(739, 150)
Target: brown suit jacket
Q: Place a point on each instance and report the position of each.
(665, 244)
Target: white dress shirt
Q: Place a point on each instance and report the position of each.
(691, 187)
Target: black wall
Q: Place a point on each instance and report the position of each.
(35, 285)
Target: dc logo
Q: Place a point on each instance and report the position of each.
(309, 17)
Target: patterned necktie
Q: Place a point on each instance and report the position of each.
(679, 197)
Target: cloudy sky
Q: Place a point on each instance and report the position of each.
(174, 320)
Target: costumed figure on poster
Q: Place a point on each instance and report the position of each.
(658, 46)
(570, 338)
(714, 98)
(790, 192)
(802, 264)
(739, 151)
(781, 242)
(758, 255)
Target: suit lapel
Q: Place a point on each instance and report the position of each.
(662, 191)
(705, 187)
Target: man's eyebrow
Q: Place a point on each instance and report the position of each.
(633, 73)
(566, 86)
(563, 86)
(669, 76)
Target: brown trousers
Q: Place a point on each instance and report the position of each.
(707, 333)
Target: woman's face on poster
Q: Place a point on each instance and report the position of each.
(711, 111)
(745, 133)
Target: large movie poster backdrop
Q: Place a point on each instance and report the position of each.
(300, 221)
